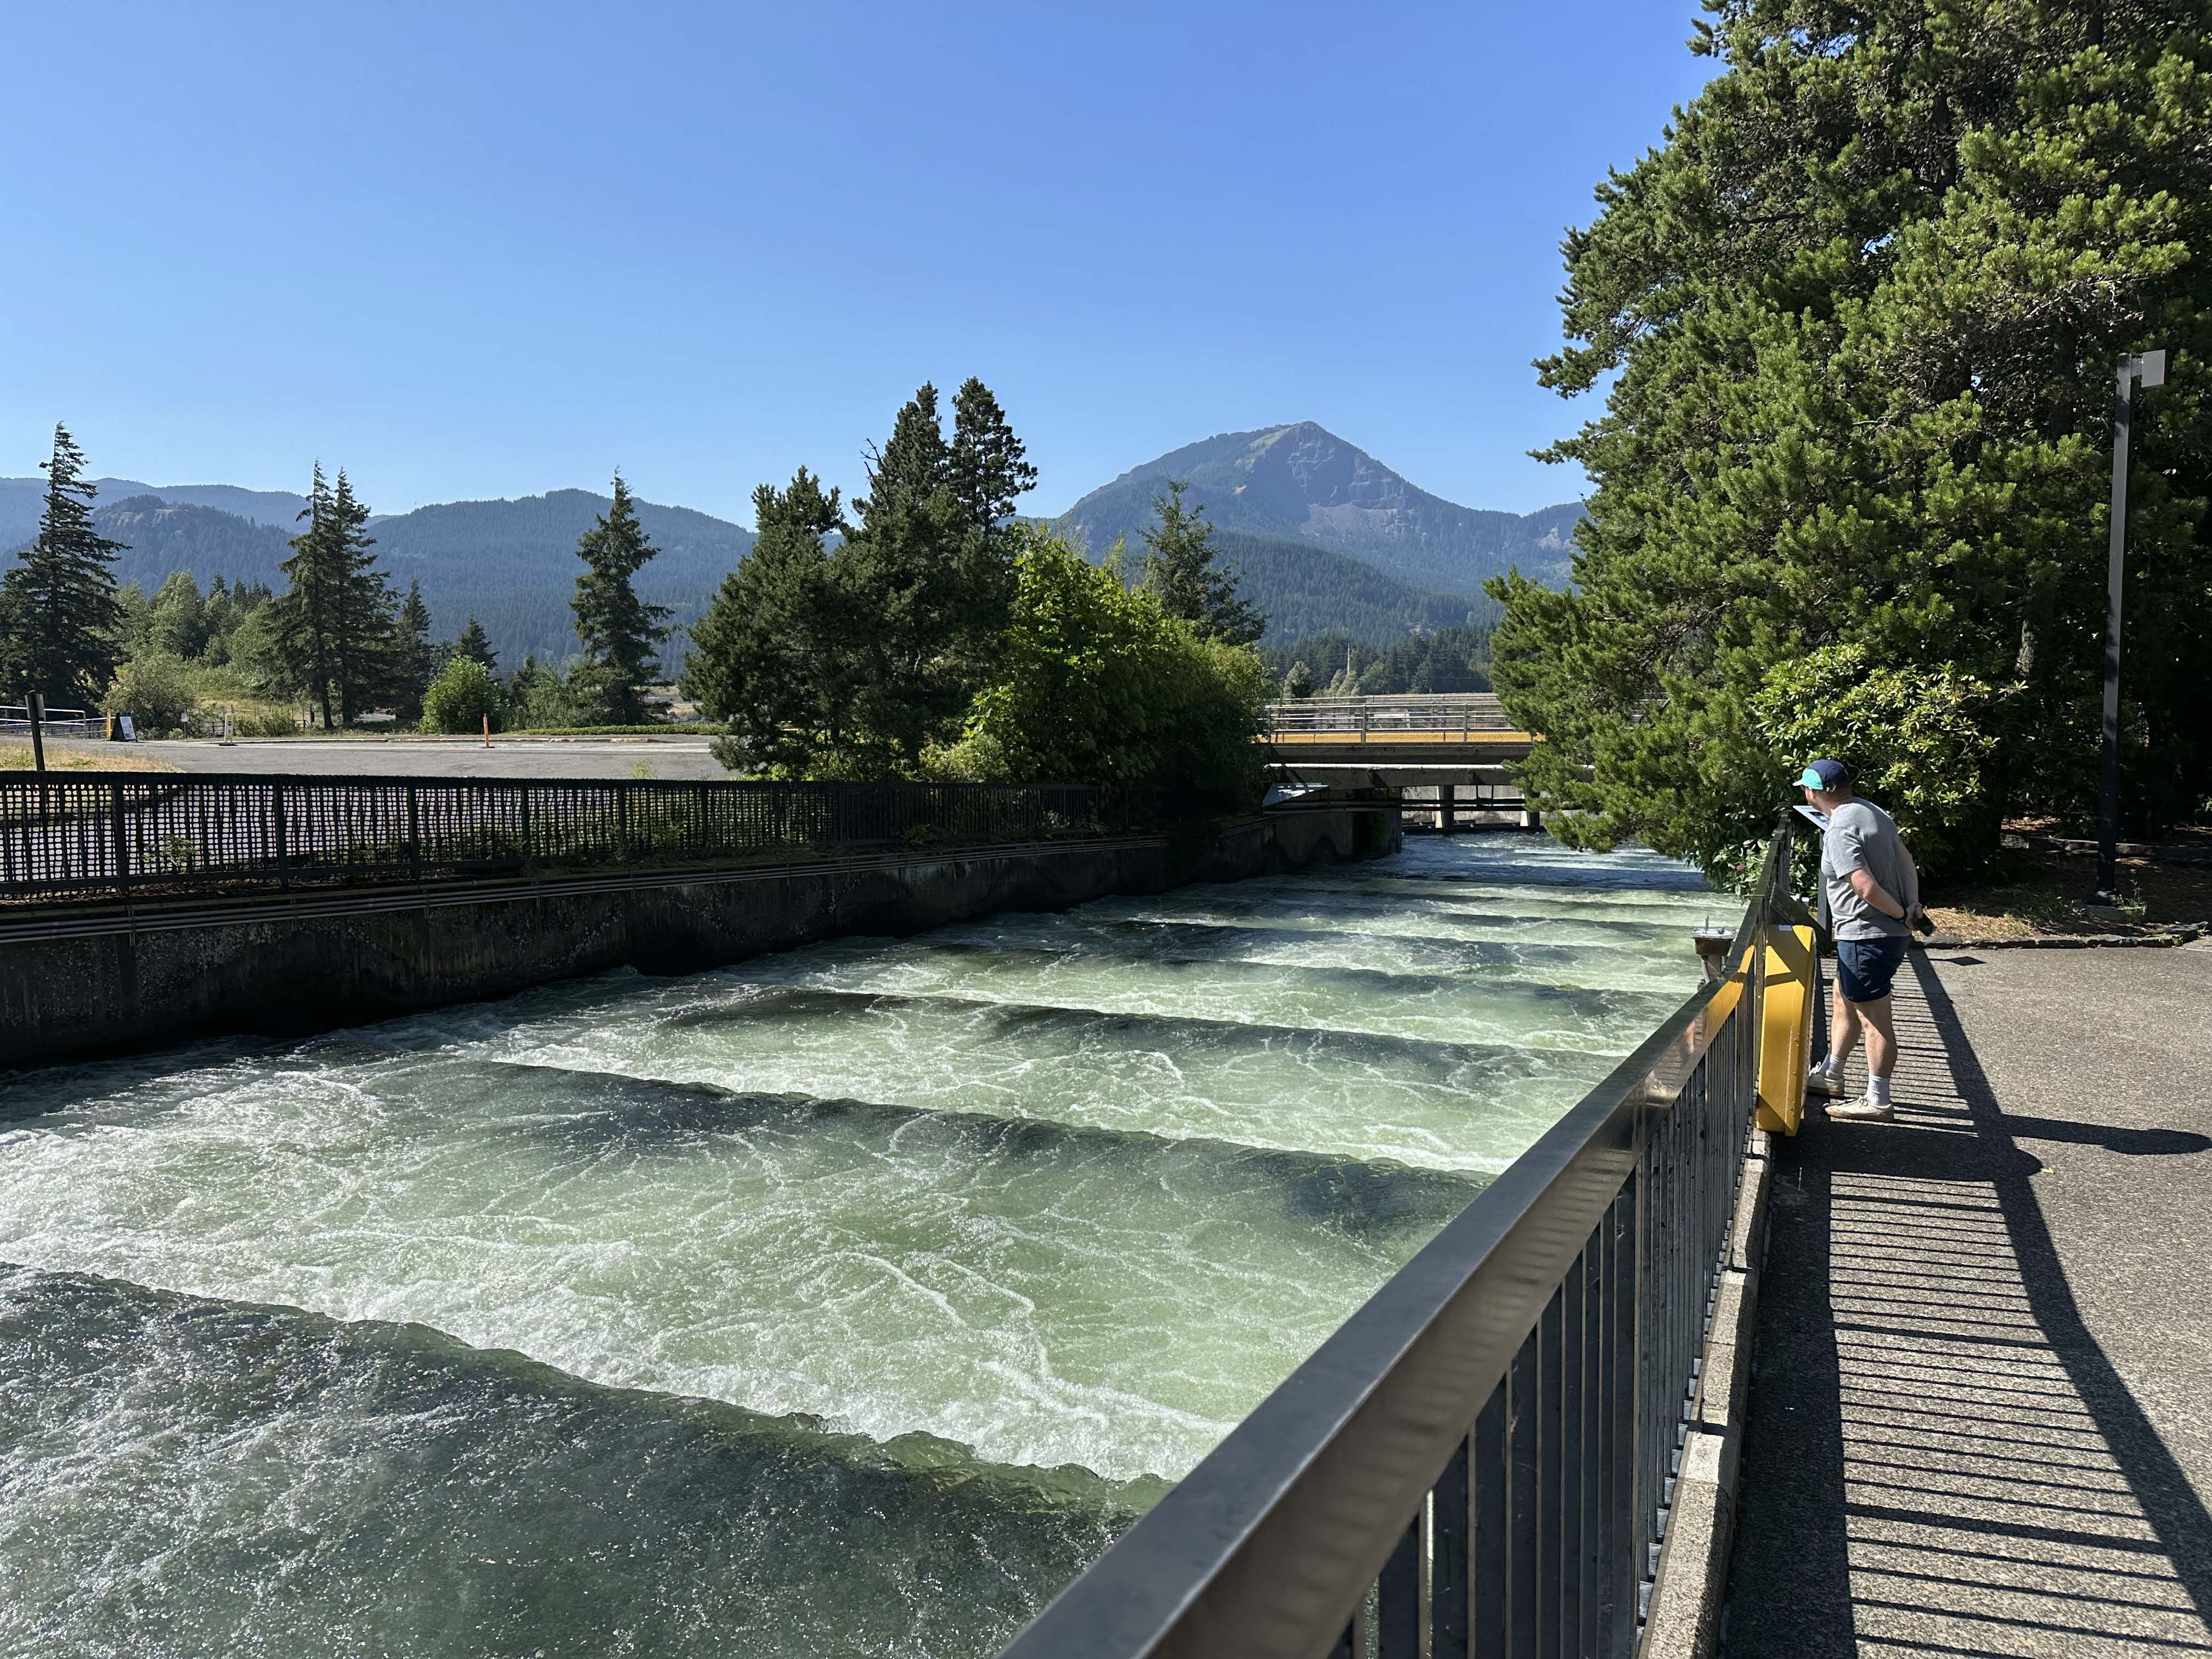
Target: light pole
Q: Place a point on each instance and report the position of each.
(2147, 369)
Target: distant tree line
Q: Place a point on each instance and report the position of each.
(1336, 666)
(338, 637)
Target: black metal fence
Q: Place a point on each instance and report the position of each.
(115, 836)
(1481, 1459)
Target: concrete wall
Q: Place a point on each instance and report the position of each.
(92, 985)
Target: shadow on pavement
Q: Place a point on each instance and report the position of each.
(1941, 1457)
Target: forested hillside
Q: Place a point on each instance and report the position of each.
(511, 564)
(1305, 589)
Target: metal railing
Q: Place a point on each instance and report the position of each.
(1461, 714)
(1481, 1459)
(15, 721)
(65, 837)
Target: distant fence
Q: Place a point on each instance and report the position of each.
(66, 837)
(1455, 713)
(15, 721)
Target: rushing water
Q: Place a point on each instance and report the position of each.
(845, 1301)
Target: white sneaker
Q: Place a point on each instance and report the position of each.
(1822, 1081)
(1865, 1110)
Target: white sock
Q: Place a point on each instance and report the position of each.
(1831, 1066)
(1878, 1090)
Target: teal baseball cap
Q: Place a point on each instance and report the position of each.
(1824, 774)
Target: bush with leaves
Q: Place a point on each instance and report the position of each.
(157, 692)
(1097, 684)
(1916, 738)
(462, 697)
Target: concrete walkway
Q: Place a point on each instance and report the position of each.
(1981, 1417)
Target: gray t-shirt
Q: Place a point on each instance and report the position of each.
(1862, 836)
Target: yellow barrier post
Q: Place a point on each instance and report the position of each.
(1785, 1038)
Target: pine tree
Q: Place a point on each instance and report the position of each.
(987, 467)
(772, 656)
(1180, 572)
(619, 633)
(1856, 321)
(415, 655)
(335, 624)
(476, 645)
(855, 660)
(370, 659)
(57, 603)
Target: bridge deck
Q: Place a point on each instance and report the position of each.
(1979, 1422)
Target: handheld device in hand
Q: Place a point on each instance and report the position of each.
(1921, 924)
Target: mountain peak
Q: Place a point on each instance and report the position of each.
(1300, 482)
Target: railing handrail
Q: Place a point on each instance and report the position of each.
(66, 835)
(1441, 711)
(1265, 1549)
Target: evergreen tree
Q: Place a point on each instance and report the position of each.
(924, 581)
(769, 656)
(370, 660)
(619, 633)
(476, 645)
(57, 603)
(335, 626)
(1179, 572)
(987, 467)
(416, 656)
(1299, 682)
(1860, 314)
(855, 661)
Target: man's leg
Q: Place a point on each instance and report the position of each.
(1880, 1036)
(1863, 972)
(1827, 1077)
(1842, 1030)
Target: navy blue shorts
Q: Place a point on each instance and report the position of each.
(1864, 967)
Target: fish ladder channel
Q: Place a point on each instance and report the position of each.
(848, 1301)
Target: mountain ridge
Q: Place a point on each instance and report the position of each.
(1327, 538)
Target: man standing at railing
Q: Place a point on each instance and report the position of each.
(1872, 896)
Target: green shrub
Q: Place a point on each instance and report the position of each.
(461, 698)
(1915, 739)
(1096, 684)
(156, 690)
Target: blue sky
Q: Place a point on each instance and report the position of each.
(469, 250)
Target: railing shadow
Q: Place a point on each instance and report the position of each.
(1942, 1456)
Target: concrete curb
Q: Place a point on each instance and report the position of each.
(1693, 1564)
(2064, 941)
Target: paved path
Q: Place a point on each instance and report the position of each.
(1981, 1417)
(507, 758)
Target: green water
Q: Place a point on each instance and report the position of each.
(845, 1301)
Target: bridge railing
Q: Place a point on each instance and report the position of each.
(64, 836)
(1481, 1459)
(1455, 713)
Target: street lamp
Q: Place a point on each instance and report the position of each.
(2145, 369)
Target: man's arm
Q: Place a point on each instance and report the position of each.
(1864, 884)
